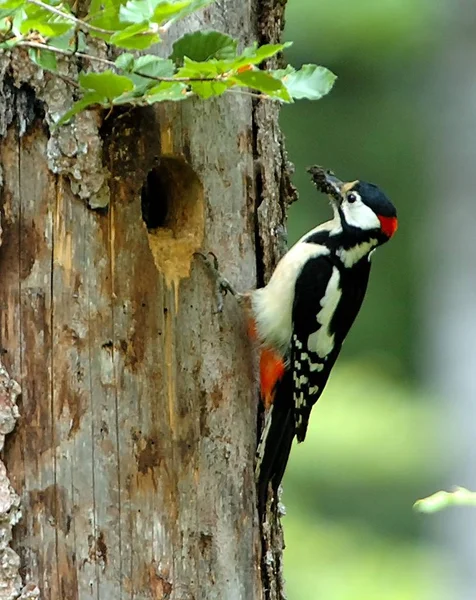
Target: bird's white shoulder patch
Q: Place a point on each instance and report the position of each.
(272, 305)
(351, 256)
(322, 341)
(333, 227)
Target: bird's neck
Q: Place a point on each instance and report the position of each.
(348, 244)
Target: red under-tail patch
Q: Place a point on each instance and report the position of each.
(389, 225)
(271, 367)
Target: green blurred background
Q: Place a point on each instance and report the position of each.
(372, 446)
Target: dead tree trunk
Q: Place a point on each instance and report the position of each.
(133, 455)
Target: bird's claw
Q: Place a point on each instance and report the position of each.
(223, 285)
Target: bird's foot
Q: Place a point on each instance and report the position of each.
(223, 286)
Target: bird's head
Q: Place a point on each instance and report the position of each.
(363, 206)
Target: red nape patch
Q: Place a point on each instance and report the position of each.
(389, 225)
(271, 367)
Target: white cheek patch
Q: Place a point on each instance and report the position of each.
(360, 215)
(322, 341)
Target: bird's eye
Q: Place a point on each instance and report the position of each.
(352, 197)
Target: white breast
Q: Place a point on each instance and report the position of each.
(272, 305)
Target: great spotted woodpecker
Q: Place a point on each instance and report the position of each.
(302, 316)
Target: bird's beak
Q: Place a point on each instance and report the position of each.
(327, 183)
(334, 188)
(337, 188)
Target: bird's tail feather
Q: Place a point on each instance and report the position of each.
(276, 440)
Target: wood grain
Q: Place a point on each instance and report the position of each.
(134, 453)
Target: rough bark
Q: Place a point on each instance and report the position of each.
(133, 456)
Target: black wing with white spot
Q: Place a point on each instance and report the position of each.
(314, 347)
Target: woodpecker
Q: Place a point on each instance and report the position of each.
(302, 316)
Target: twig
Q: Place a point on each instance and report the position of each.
(105, 61)
(40, 46)
(72, 18)
(110, 63)
(257, 95)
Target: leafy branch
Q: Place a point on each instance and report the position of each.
(460, 497)
(204, 64)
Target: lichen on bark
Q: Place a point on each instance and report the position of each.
(11, 586)
(74, 150)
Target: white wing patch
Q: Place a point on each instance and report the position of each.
(315, 366)
(322, 341)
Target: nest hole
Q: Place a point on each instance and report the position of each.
(168, 195)
(172, 201)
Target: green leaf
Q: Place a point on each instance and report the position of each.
(202, 46)
(194, 6)
(11, 4)
(159, 11)
(166, 10)
(87, 100)
(255, 56)
(69, 41)
(144, 69)
(107, 84)
(130, 97)
(204, 70)
(167, 91)
(125, 61)
(154, 66)
(311, 82)
(10, 7)
(135, 11)
(259, 80)
(192, 68)
(105, 14)
(46, 28)
(45, 22)
(213, 67)
(9, 44)
(135, 37)
(460, 497)
(207, 89)
(44, 59)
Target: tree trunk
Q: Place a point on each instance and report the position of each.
(448, 313)
(134, 453)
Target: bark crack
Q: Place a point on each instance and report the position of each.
(274, 192)
(55, 216)
(114, 366)
(10, 511)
